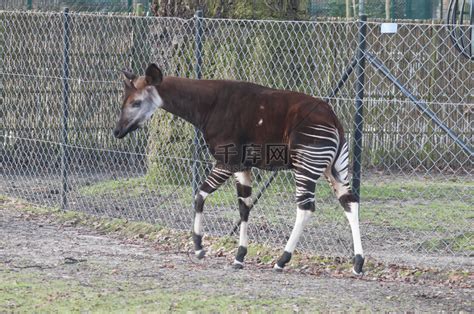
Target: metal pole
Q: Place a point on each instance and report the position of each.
(471, 19)
(65, 112)
(29, 4)
(130, 6)
(359, 110)
(343, 80)
(197, 70)
(388, 6)
(148, 8)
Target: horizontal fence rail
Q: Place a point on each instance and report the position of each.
(417, 188)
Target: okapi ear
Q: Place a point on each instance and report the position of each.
(153, 75)
(129, 75)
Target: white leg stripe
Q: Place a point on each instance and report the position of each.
(222, 171)
(243, 178)
(236, 262)
(203, 194)
(198, 252)
(244, 240)
(198, 224)
(302, 217)
(353, 218)
(247, 200)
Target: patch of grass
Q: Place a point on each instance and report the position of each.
(460, 243)
(263, 253)
(136, 187)
(129, 187)
(398, 203)
(397, 189)
(436, 215)
(439, 215)
(227, 243)
(370, 190)
(35, 293)
(117, 225)
(415, 189)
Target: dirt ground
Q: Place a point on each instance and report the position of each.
(48, 265)
(400, 227)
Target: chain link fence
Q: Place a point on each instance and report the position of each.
(61, 94)
(93, 6)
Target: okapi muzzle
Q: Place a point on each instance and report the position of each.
(140, 101)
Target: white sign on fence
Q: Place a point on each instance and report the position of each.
(388, 28)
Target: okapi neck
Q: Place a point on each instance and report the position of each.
(188, 99)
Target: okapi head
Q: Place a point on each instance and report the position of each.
(140, 100)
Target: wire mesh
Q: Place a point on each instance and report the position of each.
(98, 6)
(417, 187)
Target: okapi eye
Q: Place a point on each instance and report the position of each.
(136, 104)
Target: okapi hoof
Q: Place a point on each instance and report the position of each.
(284, 259)
(200, 254)
(358, 265)
(238, 265)
(277, 268)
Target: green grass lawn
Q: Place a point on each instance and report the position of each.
(415, 204)
(36, 293)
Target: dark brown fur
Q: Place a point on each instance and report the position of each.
(228, 112)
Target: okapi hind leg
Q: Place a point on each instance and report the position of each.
(337, 176)
(310, 159)
(244, 192)
(351, 209)
(302, 217)
(213, 181)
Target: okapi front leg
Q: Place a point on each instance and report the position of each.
(215, 179)
(305, 186)
(244, 192)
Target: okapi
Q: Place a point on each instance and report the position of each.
(246, 117)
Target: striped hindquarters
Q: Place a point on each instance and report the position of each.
(316, 148)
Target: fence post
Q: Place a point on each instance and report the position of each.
(359, 109)
(139, 10)
(147, 8)
(197, 70)
(65, 113)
